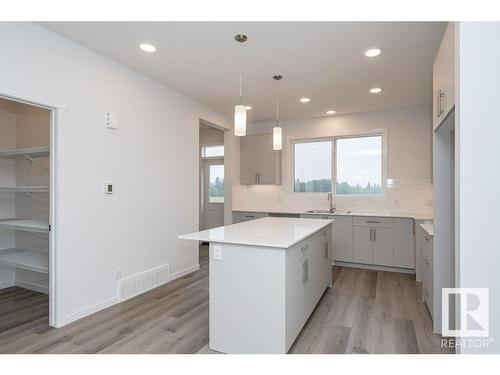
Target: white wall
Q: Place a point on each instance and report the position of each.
(409, 151)
(478, 157)
(152, 158)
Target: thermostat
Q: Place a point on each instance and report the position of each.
(108, 188)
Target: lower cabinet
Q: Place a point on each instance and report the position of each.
(342, 239)
(307, 277)
(383, 246)
(428, 272)
(362, 251)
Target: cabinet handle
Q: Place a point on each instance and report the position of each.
(374, 234)
(440, 97)
(373, 221)
(305, 247)
(426, 238)
(258, 177)
(305, 271)
(326, 250)
(371, 236)
(250, 216)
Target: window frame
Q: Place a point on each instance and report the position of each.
(333, 138)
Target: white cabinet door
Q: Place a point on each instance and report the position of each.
(404, 243)
(295, 314)
(383, 246)
(342, 238)
(267, 161)
(443, 77)
(248, 160)
(362, 245)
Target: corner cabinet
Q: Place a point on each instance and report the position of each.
(259, 163)
(443, 77)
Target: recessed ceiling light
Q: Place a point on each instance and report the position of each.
(305, 100)
(249, 107)
(373, 52)
(376, 90)
(146, 47)
(330, 112)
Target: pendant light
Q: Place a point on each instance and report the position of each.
(277, 132)
(240, 110)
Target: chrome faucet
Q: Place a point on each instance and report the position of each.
(333, 206)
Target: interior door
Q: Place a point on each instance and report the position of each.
(213, 193)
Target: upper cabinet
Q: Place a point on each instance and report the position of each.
(443, 77)
(259, 163)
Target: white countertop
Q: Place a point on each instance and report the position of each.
(428, 228)
(410, 215)
(267, 232)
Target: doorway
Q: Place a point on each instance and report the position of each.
(212, 194)
(25, 211)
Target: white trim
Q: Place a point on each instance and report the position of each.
(32, 286)
(184, 272)
(383, 132)
(57, 248)
(7, 284)
(87, 311)
(374, 267)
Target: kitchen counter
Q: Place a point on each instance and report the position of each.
(428, 228)
(410, 215)
(268, 232)
(266, 276)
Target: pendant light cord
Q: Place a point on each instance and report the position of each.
(277, 103)
(241, 73)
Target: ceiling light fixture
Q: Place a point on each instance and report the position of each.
(376, 90)
(146, 47)
(373, 52)
(330, 112)
(240, 110)
(305, 100)
(277, 131)
(248, 107)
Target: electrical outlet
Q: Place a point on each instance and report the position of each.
(111, 120)
(217, 252)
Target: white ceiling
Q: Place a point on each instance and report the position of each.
(324, 61)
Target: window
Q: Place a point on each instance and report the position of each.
(212, 151)
(357, 169)
(358, 165)
(313, 167)
(216, 193)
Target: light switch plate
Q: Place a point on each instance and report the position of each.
(217, 252)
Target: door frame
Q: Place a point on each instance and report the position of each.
(57, 198)
(204, 162)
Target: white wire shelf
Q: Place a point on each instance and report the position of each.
(23, 152)
(27, 225)
(25, 189)
(31, 260)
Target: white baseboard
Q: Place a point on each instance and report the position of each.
(32, 286)
(7, 284)
(374, 267)
(116, 299)
(89, 310)
(184, 272)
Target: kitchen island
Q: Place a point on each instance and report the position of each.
(265, 278)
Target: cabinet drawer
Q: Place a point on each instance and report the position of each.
(314, 242)
(369, 221)
(239, 217)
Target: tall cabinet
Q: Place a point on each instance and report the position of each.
(24, 196)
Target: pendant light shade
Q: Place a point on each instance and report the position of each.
(277, 138)
(240, 120)
(277, 131)
(240, 110)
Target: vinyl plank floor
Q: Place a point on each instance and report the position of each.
(364, 312)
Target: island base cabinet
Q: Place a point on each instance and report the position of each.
(261, 297)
